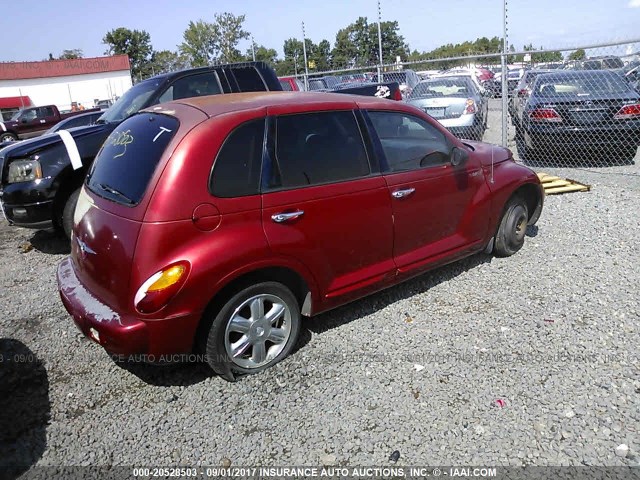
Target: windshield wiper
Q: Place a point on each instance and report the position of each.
(113, 191)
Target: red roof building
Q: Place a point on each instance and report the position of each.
(83, 81)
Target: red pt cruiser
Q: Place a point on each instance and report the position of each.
(214, 224)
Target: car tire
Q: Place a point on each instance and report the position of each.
(627, 155)
(513, 227)
(8, 137)
(67, 213)
(242, 338)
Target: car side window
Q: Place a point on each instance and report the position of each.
(317, 148)
(409, 142)
(192, 86)
(236, 170)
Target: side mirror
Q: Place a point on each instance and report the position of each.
(23, 120)
(458, 156)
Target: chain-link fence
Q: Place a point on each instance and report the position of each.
(568, 107)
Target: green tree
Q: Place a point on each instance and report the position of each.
(71, 54)
(579, 54)
(357, 44)
(136, 44)
(205, 42)
(293, 62)
(263, 54)
(228, 32)
(167, 61)
(198, 44)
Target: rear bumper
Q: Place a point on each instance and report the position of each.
(123, 334)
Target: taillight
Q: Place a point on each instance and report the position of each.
(544, 115)
(397, 95)
(160, 287)
(628, 111)
(470, 106)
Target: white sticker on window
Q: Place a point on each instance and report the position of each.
(72, 149)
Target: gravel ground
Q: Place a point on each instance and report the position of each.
(531, 359)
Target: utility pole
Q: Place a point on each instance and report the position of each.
(253, 48)
(379, 44)
(306, 64)
(505, 73)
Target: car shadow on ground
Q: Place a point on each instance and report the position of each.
(51, 242)
(24, 408)
(182, 374)
(371, 304)
(193, 372)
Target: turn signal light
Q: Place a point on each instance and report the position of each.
(161, 287)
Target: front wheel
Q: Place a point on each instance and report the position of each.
(513, 227)
(8, 137)
(255, 329)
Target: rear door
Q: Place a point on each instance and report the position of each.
(433, 204)
(324, 205)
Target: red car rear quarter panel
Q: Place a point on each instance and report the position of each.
(184, 183)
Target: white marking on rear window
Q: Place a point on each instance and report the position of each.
(72, 149)
(162, 130)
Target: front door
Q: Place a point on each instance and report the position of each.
(433, 202)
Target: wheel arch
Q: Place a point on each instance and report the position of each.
(534, 197)
(302, 288)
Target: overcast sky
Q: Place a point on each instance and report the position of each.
(31, 33)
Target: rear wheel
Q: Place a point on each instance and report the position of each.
(68, 211)
(513, 227)
(255, 329)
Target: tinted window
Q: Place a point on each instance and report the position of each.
(236, 171)
(129, 156)
(248, 79)
(192, 86)
(316, 148)
(133, 100)
(409, 142)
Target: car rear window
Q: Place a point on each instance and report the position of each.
(125, 164)
(594, 83)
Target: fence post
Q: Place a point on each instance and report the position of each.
(505, 75)
(306, 64)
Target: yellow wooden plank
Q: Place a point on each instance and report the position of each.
(555, 183)
(567, 189)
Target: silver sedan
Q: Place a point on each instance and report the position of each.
(455, 102)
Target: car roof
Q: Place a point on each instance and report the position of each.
(213, 105)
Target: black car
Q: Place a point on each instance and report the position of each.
(40, 179)
(579, 111)
(522, 91)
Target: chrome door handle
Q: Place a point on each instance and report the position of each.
(403, 193)
(285, 217)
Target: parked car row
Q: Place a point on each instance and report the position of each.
(574, 111)
(187, 164)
